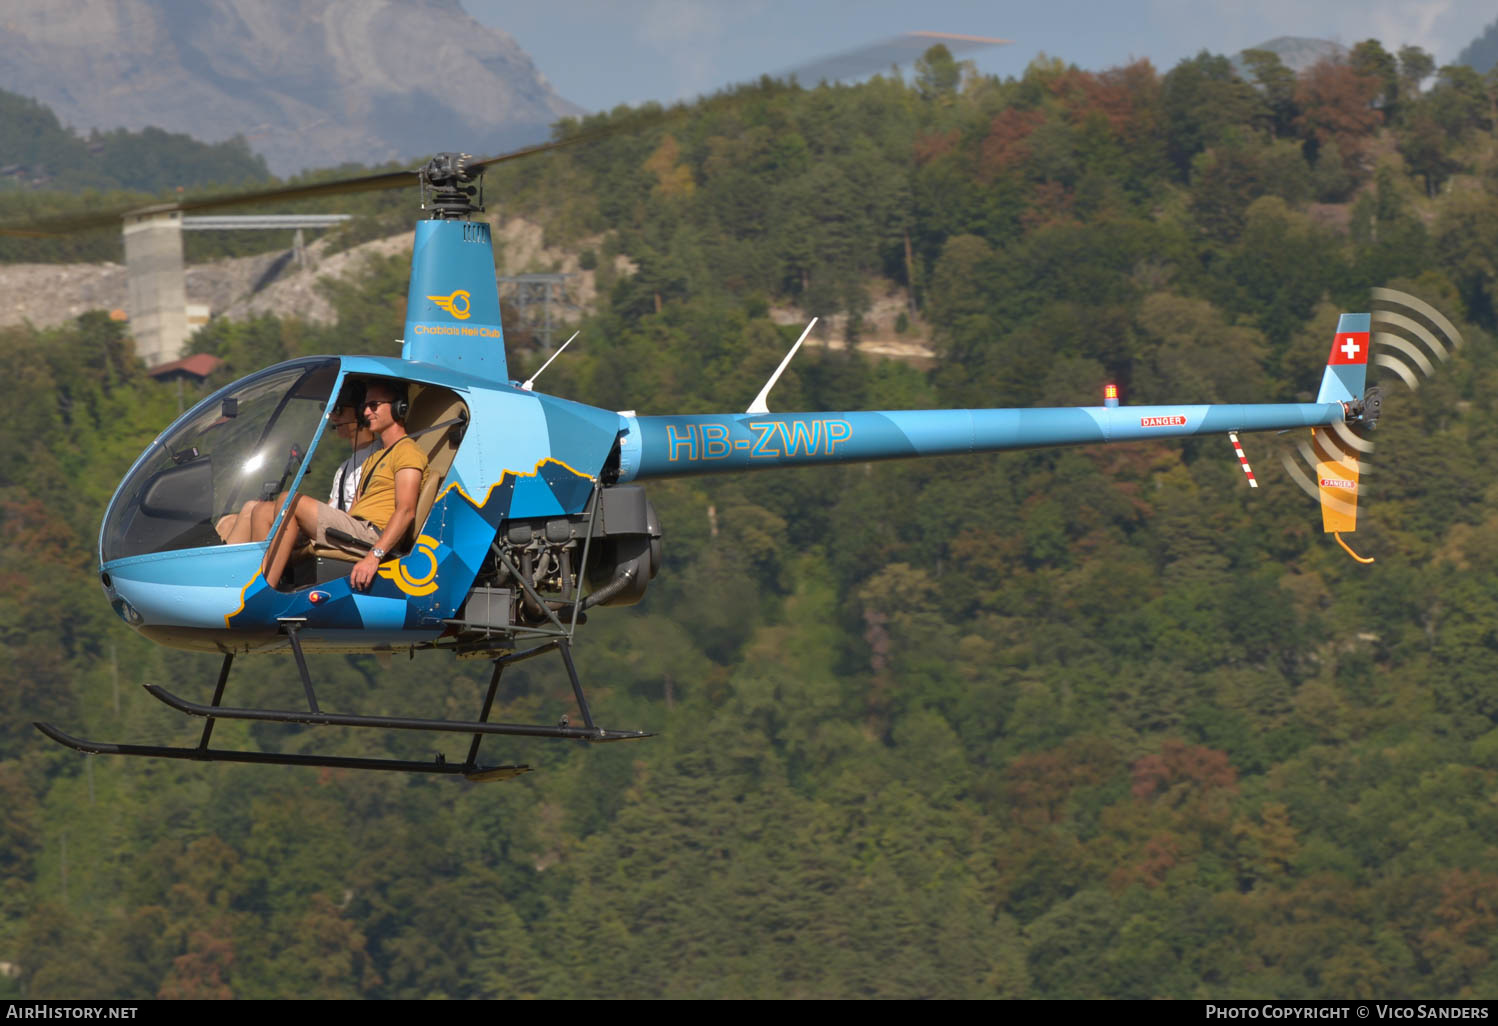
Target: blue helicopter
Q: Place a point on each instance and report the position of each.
(531, 512)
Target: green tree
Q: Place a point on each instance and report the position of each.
(1205, 103)
(1370, 60)
(1278, 85)
(938, 75)
(1415, 66)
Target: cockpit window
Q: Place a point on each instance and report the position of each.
(246, 443)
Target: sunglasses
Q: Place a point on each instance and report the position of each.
(373, 404)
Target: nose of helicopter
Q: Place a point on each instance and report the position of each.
(182, 598)
(163, 561)
(119, 603)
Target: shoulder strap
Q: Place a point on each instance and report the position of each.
(338, 484)
(364, 479)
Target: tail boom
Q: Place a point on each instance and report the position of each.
(656, 447)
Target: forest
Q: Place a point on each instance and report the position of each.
(43, 157)
(1070, 723)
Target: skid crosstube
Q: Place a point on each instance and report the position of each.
(322, 719)
(314, 716)
(272, 758)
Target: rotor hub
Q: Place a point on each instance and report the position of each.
(1364, 412)
(447, 189)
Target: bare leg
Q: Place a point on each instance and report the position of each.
(301, 521)
(262, 517)
(243, 523)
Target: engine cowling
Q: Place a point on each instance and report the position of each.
(630, 553)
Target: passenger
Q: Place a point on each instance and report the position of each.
(355, 430)
(384, 511)
(253, 521)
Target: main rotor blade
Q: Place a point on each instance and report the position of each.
(340, 187)
(66, 224)
(877, 56)
(305, 190)
(111, 217)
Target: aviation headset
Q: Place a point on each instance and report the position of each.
(400, 403)
(351, 396)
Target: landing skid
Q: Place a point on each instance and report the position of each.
(314, 716)
(438, 765)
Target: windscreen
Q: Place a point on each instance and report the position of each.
(246, 443)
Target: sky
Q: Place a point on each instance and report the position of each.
(599, 53)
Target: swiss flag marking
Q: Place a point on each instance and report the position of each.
(1350, 347)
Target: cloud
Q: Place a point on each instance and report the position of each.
(688, 34)
(1442, 27)
(1413, 24)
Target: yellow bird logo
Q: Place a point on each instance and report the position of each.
(455, 304)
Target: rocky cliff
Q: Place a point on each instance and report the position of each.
(310, 83)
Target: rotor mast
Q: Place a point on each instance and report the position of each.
(452, 306)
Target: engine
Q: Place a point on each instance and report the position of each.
(537, 567)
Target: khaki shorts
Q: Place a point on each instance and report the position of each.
(328, 517)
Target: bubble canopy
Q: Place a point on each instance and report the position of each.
(245, 442)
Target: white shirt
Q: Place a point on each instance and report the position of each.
(346, 481)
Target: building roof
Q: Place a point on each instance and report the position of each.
(197, 366)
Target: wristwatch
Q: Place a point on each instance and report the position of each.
(377, 552)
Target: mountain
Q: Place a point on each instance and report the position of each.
(308, 83)
(1298, 52)
(1482, 52)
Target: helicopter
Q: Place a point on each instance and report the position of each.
(533, 512)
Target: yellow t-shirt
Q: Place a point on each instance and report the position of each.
(376, 502)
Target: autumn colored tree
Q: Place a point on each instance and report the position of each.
(1337, 106)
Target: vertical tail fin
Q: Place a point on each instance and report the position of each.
(1347, 366)
(1336, 451)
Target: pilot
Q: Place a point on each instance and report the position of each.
(353, 427)
(253, 521)
(384, 511)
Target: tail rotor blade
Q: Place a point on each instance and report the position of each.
(1396, 334)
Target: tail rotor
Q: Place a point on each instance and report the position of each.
(1395, 334)
(1392, 338)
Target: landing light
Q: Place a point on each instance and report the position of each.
(128, 613)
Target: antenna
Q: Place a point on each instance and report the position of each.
(758, 406)
(532, 379)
